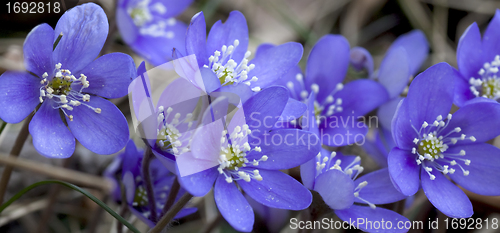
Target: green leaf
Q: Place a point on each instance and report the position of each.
(76, 188)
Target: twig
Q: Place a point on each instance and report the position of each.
(147, 182)
(165, 220)
(75, 177)
(174, 190)
(16, 149)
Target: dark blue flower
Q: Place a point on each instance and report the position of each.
(249, 153)
(126, 167)
(68, 80)
(478, 61)
(432, 144)
(224, 52)
(337, 108)
(335, 177)
(150, 29)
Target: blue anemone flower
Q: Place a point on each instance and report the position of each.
(337, 108)
(335, 177)
(401, 62)
(248, 154)
(68, 82)
(431, 144)
(150, 29)
(224, 53)
(478, 61)
(126, 167)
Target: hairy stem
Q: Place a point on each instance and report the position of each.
(16, 149)
(174, 190)
(165, 220)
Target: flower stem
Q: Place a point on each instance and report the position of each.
(165, 220)
(16, 149)
(147, 182)
(174, 190)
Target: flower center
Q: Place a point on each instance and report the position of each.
(143, 15)
(489, 84)
(432, 144)
(169, 137)
(232, 157)
(140, 197)
(61, 90)
(229, 71)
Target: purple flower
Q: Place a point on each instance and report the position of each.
(432, 144)
(337, 108)
(478, 61)
(335, 177)
(224, 53)
(66, 79)
(126, 167)
(378, 145)
(250, 153)
(166, 125)
(150, 29)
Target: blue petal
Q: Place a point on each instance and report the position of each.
(342, 132)
(387, 111)
(327, 64)
(37, 50)
(336, 188)
(233, 206)
(380, 189)
(84, 29)
(102, 133)
(242, 91)
(20, 93)
(235, 28)
(308, 121)
(477, 119)
(483, 178)
(174, 7)
(110, 75)
(264, 108)
(293, 110)
(360, 97)
(277, 190)
(196, 39)
(296, 86)
(273, 63)
(210, 80)
(416, 46)
(199, 184)
(431, 94)
(394, 71)
(360, 215)
(404, 171)
(491, 38)
(402, 131)
(131, 159)
(286, 148)
(308, 173)
(445, 196)
(51, 137)
(470, 57)
(159, 50)
(125, 24)
(375, 148)
(362, 59)
(462, 91)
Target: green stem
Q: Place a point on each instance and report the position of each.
(76, 188)
(165, 220)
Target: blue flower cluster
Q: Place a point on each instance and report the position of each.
(234, 122)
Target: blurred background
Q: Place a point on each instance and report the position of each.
(372, 24)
